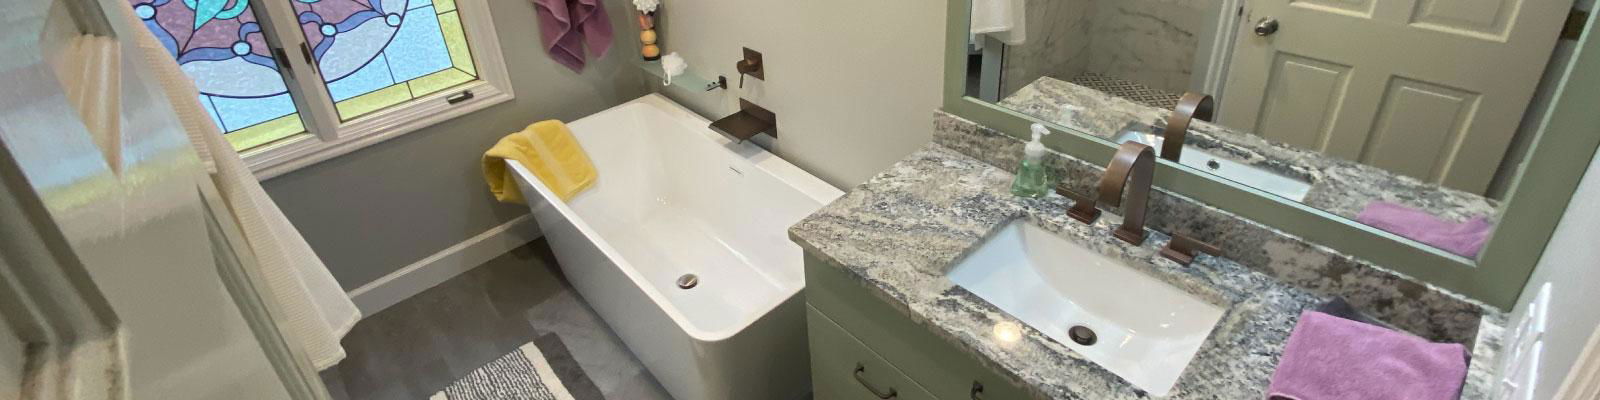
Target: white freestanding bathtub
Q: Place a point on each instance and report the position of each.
(676, 198)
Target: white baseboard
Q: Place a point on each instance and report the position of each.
(439, 267)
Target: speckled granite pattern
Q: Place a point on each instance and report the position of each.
(1485, 356)
(1424, 309)
(902, 230)
(1339, 186)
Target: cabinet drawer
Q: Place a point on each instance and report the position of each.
(924, 356)
(844, 369)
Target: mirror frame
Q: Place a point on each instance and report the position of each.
(1567, 136)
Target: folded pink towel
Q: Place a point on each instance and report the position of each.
(1462, 238)
(568, 26)
(1332, 358)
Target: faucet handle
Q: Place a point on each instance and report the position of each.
(1083, 207)
(1184, 249)
(750, 65)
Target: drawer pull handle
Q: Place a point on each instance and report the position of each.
(977, 390)
(861, 378)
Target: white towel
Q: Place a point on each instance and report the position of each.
(317, 312)
(1005, 20)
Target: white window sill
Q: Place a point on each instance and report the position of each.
(306, 149)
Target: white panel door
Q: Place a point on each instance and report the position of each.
(1432, 89)
(120, 272)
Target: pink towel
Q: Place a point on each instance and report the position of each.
(1463, 238)
(1332, 358)
(568, 26)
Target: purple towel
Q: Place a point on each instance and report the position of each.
(1332, 358)
(568, 26)
(1463, 238)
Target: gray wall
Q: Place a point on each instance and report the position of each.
(378, 209)
(1571, 263)
(853, 83)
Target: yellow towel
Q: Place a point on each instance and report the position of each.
(547, 149)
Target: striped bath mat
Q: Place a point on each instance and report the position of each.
(525, 374)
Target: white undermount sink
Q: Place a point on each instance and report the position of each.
(1256, 177)
(1145, 330)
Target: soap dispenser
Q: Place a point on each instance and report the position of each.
(1033, 180)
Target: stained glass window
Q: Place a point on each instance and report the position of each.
(371, 55)
(379, 53)
(220, 45)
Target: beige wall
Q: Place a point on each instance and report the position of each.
(378, 209)
(853, 83)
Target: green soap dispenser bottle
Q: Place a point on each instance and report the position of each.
(1033, 180)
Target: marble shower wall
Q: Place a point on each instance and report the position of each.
(1151, 42)
(1058, 44)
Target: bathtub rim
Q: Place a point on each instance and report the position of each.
(807, 184)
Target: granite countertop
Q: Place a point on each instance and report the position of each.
(1339, 186)
(899, 233)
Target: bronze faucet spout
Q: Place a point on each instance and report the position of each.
(747, 123)
(1191, 106)
(1135, 161)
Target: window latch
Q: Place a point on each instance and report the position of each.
(459, 97)
(305, 51)
(282, 59)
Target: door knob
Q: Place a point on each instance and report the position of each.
(1267, 26)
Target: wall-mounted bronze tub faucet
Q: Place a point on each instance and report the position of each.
(751, 65)
(1191, 106)
(750, 121)
(1133, 165)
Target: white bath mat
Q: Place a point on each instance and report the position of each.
(522, 375)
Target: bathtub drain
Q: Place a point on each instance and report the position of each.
(687, 281)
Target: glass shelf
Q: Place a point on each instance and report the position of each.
(685, 80)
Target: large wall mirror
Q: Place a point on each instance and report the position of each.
(1406, 122)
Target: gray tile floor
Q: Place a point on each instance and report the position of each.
(421, 345)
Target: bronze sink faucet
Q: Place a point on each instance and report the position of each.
(1192, 106)
(1135, 161)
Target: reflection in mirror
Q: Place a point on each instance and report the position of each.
(1410, 116)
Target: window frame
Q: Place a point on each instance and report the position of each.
(326, 135)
